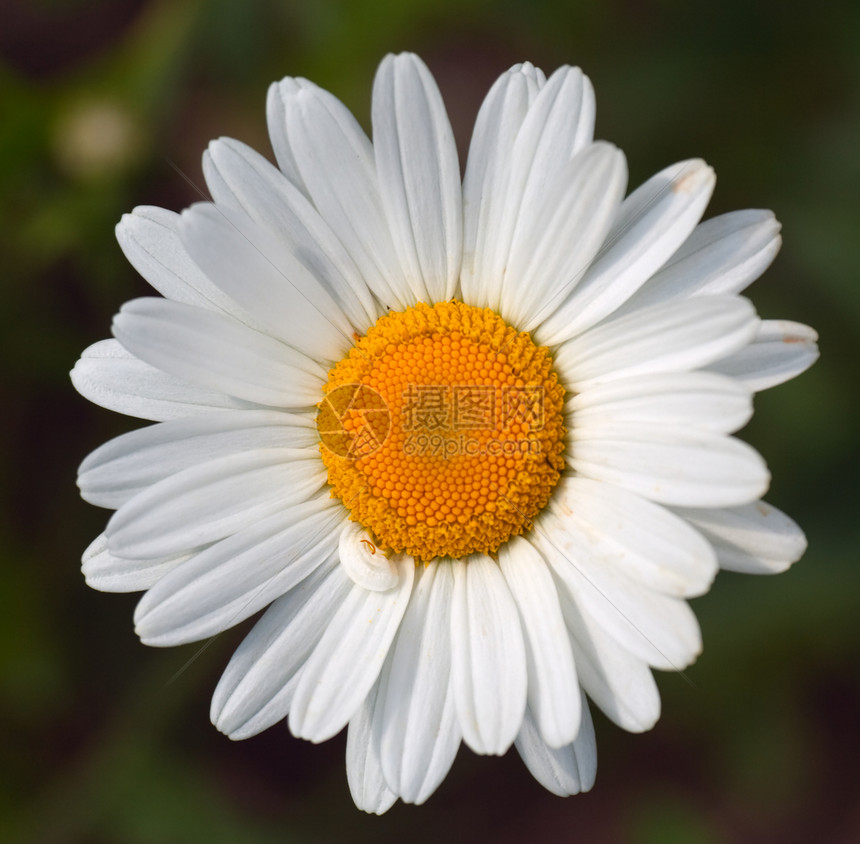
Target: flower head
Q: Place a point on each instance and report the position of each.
(469, 443)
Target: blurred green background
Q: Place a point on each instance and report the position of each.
(105, 105)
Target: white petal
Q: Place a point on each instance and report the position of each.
(566, 770)
(415, 723)
(111, 377)
(363, 769)
(644, 540)
(558, 124)
(218, 353)
(755, 539)
(676, 337)
(149, 237)
(701, 400)
(552, 683)
(650, 226)
(256, 268)
(256, 689)
(487, 171)
(341, 671)
(107, 573)
(365, 564)
(126, 465)
(658, 629)
(276, 117)
(552, 248)
(489, 660)
(335, 162)
(240, 177)
(780, 351)
(686, 468)
(231, 580)
(618, 682)
(723, 255)
(419, 175)
(211, 500)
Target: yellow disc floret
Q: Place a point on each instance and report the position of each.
(442, 431)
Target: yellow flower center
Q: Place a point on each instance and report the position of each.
(442, 431)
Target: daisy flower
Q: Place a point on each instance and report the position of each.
(467, 444)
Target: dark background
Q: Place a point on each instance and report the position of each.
(105, 105)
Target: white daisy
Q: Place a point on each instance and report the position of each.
(468, 443)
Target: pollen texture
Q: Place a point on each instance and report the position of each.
(442, 431)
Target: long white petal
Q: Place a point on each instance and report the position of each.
(335, 162)
(345, 664)
(218, 353)
(617, 681)
(675, 337)
(723, 255)
(565, 770)
(551, 249)
(238, 176)
(487, 171)
(419, 175)
(126, 465)
(675, 466)
(488, 660)
(644, 540)
(229, 581)
(150, 239)
(650, 226)
(558, 124)
(552, 689)
(363, 769)
(416, 722)
(702, 400)
(754, 539)
(276, 117)
(780, 351)
(211, 500)
(658, 629)
(112, 377)
(108, 573)
(256, 268)
(257, 687)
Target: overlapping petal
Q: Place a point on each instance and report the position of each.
(346, 662)
(257, 687)
(780, 351)
(415, 724)
(543, 130)
(232, 579)
(650, 226)
(335, 161)
(565, 770)
(127, 465)
(239, 177)
(209, 501)
(484, 184)
(754, 539)
(217, 353)
(112, 377)
(552, 696)
(108, 573)
(678, 337)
